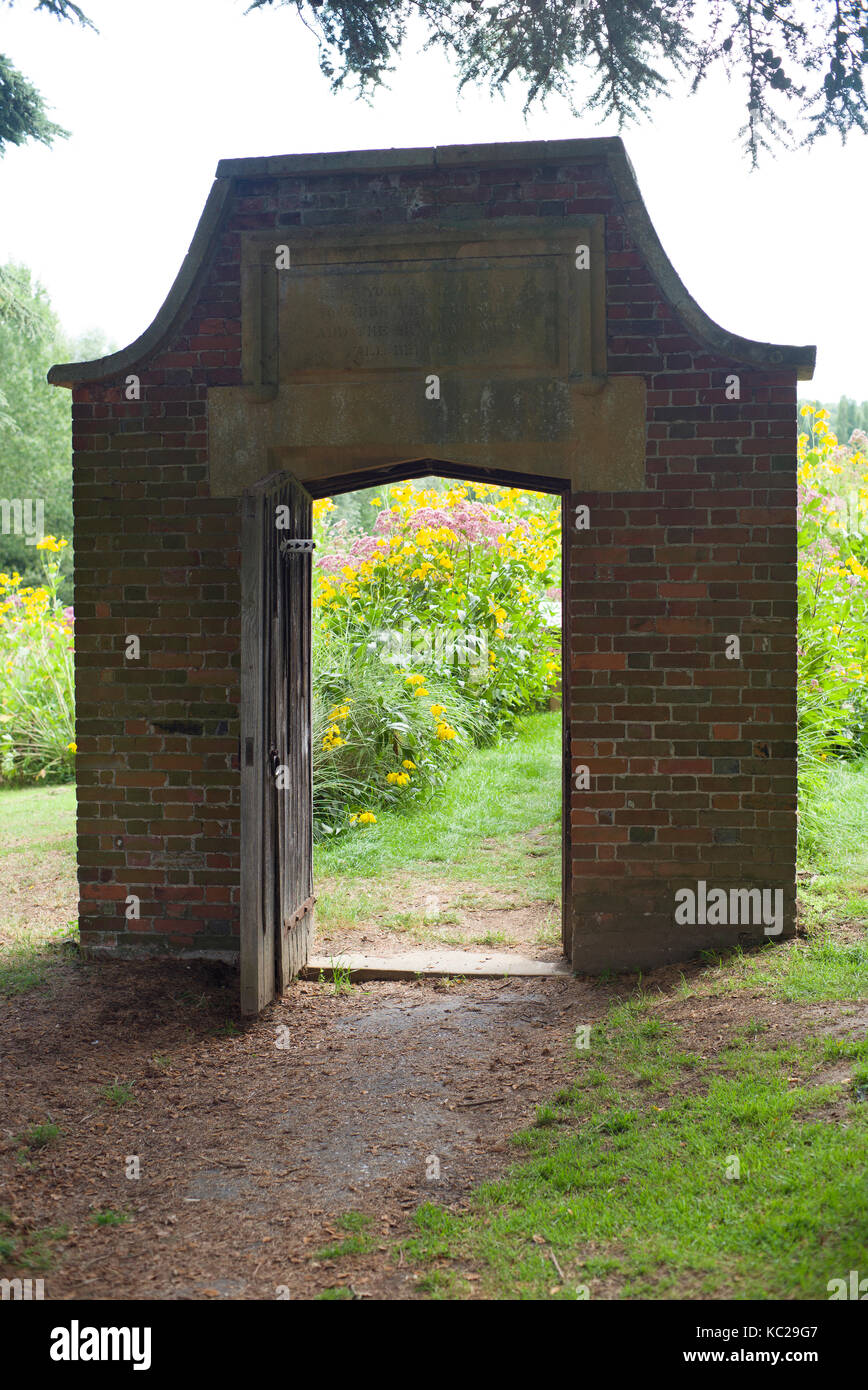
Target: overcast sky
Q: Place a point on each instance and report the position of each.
(168, 87)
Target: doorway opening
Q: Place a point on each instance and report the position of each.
(437, 720)
(407, 716)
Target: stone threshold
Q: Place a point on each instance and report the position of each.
(408, 965)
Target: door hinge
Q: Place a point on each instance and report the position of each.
(296, 916)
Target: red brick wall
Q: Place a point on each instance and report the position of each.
(691, 755)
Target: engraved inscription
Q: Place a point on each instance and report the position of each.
(463, 314)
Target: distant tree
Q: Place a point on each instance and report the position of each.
(845, 416)
(811, 57)
(844, 419)
(35, 422)
(849, 415)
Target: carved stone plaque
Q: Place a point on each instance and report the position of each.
(343, 332)
(469, 314)
(496, 299)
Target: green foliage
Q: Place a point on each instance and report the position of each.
(833, 815)
(843, 416)
(35, 418)
(119, 1093)
(475, 830)
(24, 1247)
(811, 62)
(37, 689)
(431, 636)
(833, 596)
(385, 725)
(35, 422)
(359, 1238)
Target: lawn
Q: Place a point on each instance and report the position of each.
(480, 866)
(496, 795)
(714, 1141)
(38, 890)
(711, 1137)
(679, 1165)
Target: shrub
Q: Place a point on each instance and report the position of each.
(37, 704)
(833, 593)
(392, 741)
(436, 631)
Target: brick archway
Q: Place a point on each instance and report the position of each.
(320, 295)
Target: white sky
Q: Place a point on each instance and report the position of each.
(168, 87)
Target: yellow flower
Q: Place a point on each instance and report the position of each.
(332, 738)
(409, 763)
(414, 680)
(437, 710)
(73, 747)
(363, 818)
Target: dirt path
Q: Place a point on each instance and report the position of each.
(249, 1152)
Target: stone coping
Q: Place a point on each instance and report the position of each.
(181, 297)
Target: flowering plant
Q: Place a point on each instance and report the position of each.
(434, 631)
(37, 706)
(833, 591)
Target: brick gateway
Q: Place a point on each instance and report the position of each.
(295, 356)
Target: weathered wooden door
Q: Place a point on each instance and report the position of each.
(276, 810)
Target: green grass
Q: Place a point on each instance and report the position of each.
(38, 1137)
(119, 1093)
(474, 829)
(625, 1178)
(28, 1249)
(37, 846)
(626, 1186)
(28, 962)
(38, 819)
(109, 1217)
(818, 967)
(833, 820)
(359, 1239)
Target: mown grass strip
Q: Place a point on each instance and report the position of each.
(630, 1177)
